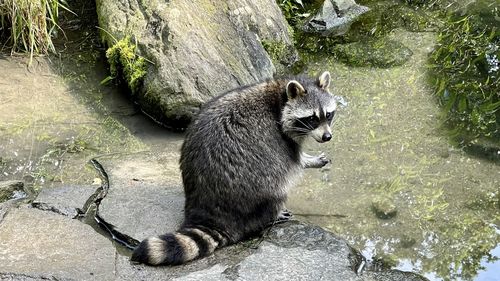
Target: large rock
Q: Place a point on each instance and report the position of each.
(292, 251)
(334, 17)
(142, 210)
(198, 48)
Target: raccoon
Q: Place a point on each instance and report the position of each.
(240, 156)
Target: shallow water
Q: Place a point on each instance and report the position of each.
(389, 143)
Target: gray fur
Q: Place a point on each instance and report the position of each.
(242, 153)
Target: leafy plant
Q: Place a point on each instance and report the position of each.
(467, 76)
(291, 9)
(28, 26)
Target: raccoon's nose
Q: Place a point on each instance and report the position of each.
(326, 137)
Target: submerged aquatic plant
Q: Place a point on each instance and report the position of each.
(467, 75)
(28, 26)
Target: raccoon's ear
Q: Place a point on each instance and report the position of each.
(324, 80)
(294, 89)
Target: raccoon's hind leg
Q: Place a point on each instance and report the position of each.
(284, 216)
(309, 161)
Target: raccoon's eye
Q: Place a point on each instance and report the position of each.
(329, 115)
(311, 118)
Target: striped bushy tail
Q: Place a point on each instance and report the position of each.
(177, 248)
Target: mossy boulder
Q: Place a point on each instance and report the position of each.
(381, 52)
(193, 50)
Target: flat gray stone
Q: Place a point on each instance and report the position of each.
(290, 251)
(142, 210)
(64, 200)
(26, 277)
(392, 275)
(5, 207)
(39, 243)
(48, 245)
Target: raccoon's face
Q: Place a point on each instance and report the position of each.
(309, 110)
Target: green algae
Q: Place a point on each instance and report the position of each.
(381, 52)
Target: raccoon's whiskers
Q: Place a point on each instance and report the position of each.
(305, 124)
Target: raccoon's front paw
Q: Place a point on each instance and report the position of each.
(315, 161)
(322, 160)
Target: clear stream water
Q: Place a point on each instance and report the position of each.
(388, 145)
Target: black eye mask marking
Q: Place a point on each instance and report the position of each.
(309, 123)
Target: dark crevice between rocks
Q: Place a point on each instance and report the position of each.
(49, 208)
(89, 214)
(357, 261)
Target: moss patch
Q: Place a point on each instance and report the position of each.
(124, 62)
(281, 54)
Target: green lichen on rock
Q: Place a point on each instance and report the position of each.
(125, 63)
(380, 52)
(282, 55)
(275, 49)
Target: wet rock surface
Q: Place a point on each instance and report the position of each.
(143, 210)
(334, 17)
(64, 200)
(46, 243)
(11, 190)
(40, 243)
(199, 48)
